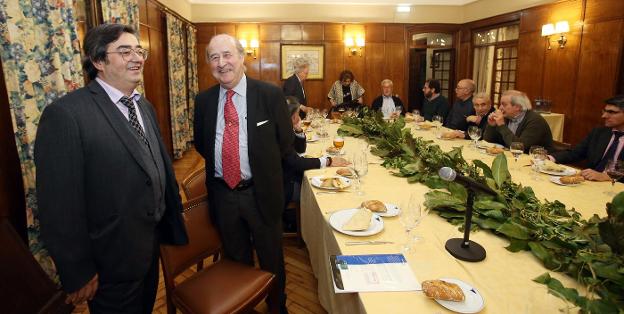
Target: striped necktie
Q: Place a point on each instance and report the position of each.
(133, 119)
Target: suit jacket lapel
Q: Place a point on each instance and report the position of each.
(252, 104)
(116, 120)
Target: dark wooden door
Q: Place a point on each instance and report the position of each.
(417, 77)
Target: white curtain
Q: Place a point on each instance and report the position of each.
(482, 68)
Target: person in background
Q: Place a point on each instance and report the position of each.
(463, 107)
(106, 190)
(387, 103)
(293, 86)
(294, 165)
(346, 90)
(242, 130)
(601, 144)
(514, 121)
(435, 103)
(483, 107)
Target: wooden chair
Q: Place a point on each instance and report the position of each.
(297, 208)
(25, 287)
(194, 185)
(222, 287)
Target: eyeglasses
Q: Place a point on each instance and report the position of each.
(610, 111)
(126, 53)
(459, 87)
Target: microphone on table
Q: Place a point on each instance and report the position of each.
(448, 174)
(465, 249)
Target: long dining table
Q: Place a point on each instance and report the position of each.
(504, 279)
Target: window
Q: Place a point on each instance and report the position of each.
(495, 60)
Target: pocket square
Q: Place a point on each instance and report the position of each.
(262, 122)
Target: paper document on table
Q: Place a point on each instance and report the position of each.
(371, 273)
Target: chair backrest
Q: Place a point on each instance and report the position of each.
(25, 287)
(194, 185)
(204, 240)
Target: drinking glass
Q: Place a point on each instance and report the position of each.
(475, 133)
(438, 121)
(398, 109)
(418, 211)
(516, 149)
(338, 142)
(416, 112)
(359, 167)
(538, 155)
(615, 170)
(408, 219)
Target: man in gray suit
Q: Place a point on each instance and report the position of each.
(243, 130)
(106, 190)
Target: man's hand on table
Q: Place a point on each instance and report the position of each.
(339, 162)
(593, 175)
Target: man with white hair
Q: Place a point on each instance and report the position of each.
(514, 121)
(387, 102)
(293, 86)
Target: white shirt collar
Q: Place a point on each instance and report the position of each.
(114, 94)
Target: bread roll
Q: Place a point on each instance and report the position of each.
(345, 172)
(573, 179)
(375, 206)
(494, 150)
(333, 150)
(426, 125)
(359, 221)
(442, 290)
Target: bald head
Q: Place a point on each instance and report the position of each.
(465, 88)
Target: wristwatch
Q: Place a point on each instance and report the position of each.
(329, 161)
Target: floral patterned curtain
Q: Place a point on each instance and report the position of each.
(193, 85)
(41, 61)
(178, 96)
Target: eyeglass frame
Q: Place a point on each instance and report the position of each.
(125, 54)
(608, 111)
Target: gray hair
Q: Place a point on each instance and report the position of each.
(299, 64)
(387, 81)
(237, 44)
(518, 98)
(483, 95)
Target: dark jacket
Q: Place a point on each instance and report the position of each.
(439, 106)
(533, 130)
(94, 192)
(292, 87)
(294, 166)
(456, 118)
(590, 149)
(378, 102)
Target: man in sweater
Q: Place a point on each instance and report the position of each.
(435, 104)
(463, 107)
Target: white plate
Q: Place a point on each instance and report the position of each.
(314, 138)
(484, 145)
(473, 301)
(340, 153)
(567, 172)
(557, 180)
(339, 218)
(316, 182)
(392, 211)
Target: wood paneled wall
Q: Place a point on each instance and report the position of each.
(155, 75)
(384, 56)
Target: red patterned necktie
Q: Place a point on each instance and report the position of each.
(230, 161)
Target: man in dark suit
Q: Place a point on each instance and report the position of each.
(601, 145)
(106, 190)
(514, 121)
(243, 132)
(387, 103)
(293, 86)
(463, 107)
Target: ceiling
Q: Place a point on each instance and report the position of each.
(346, 2)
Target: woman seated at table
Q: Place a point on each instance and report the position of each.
(294, 165)
(346, 92)
(483, 107)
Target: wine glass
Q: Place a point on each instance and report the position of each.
(398, 110)
(537, 154)
(408, 219)
(359, 167)
(416, 113)
(516, 148)
(615, 171)
(339, 142)
(418, 211)
(475, 133)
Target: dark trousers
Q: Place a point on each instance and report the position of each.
(243, 229)
(129, 296)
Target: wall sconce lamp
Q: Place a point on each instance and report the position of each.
(355, 46)
(252, 49)
(560, 28)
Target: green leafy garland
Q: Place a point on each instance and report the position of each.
(592, 251)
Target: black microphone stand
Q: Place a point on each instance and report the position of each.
(464, 249)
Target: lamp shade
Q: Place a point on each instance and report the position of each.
(349, 42)
(548, 29)
(561, 27)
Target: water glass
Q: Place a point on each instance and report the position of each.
(398, 110)
(615, 171)
(475, 134)
(538, 155)
(516, 149)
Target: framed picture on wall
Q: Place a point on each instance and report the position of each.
(314, 53)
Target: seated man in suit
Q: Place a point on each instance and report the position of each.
(514, 121)
(463, 107)
(294, 165)
(293, 86)
(601, 145)
(435, 104)
(483, 107)
(387, 102)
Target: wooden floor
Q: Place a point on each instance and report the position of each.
(301, 286)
